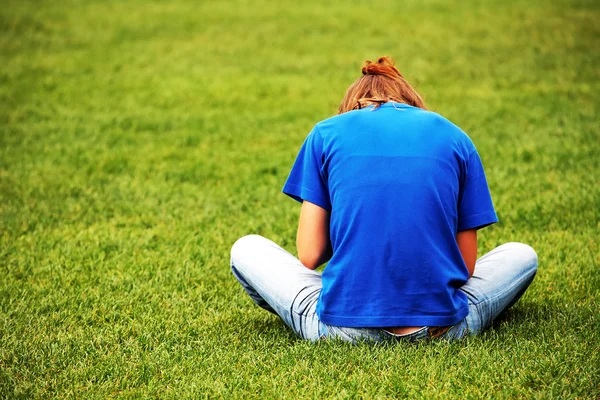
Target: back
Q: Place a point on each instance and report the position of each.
(400, 182)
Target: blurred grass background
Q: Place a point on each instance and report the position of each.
(140, 139)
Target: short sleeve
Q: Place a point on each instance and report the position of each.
(475, 208)
(306, 181)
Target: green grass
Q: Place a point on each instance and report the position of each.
(140, 139)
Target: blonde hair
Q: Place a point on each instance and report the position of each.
(381, 82)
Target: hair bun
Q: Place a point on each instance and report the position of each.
(383, 66)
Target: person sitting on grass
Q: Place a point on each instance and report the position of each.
(392, 197)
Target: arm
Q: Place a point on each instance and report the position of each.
(312, 240)
(467, 244)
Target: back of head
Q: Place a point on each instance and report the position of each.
(381, 82)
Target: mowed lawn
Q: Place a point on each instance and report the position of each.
(140, 139)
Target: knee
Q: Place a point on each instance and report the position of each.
(244, 245)
(526, 256)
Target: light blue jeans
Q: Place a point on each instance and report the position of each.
(279, 283)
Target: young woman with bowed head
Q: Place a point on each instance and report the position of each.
(392, 197)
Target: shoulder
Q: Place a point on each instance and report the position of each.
(341, 127)
(447, 126)
(337, 121)
(444, 129)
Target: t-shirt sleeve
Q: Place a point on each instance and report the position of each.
(475, 208)
(306, 180)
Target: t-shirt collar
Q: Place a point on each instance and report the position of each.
(395, 104)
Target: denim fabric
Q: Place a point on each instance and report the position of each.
(279, 283)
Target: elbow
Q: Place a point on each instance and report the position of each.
(471, 269)
(310, 261)
(307, 254)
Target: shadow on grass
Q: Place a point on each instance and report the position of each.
(524, 320)
(531, 319)
(273, 325)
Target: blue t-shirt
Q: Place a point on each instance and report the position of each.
(400, 182)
